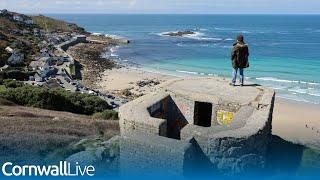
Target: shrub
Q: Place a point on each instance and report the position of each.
(16, 73)
(106, 115)
(55, 99)
(9, 83)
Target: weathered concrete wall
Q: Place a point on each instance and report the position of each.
(138, 119)
(152, 155)
(237, 147)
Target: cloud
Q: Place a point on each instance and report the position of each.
(132, 3)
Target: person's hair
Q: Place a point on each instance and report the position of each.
(240, 38)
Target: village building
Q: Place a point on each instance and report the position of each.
(16, 58)
(9, 49)
(28, 21)
(3, 12)
(18, 18)
(38, 77)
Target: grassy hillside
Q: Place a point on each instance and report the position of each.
(50, 24)
(31, 134)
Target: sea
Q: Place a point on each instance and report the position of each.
(284, 49)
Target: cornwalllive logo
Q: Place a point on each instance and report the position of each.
(63, 169)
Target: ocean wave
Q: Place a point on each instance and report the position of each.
(114, 49)
(273, 79)
(113, 36)
(276, 80)
(196, 36)
(243, 32)
(97, 34)
(223, 29)
(229, 39)
(298, 90)
(298, 99)
(187, 72)
(203, 29)
(283, 32)
(314, 94)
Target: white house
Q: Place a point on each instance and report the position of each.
(29, 21)
(16, 58)
(17, 18)
(3, 11)
(9, 49)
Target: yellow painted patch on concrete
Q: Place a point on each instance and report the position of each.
(224, 117)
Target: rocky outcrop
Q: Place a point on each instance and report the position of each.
(107, 40)
(91, 59)
(179, 33)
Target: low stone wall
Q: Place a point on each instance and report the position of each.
(76, 40)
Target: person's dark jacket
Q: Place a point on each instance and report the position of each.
(240, 55)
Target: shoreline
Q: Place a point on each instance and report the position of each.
(295, 121)
(176, 75)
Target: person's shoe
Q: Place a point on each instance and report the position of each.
(241, 85)
(232, 84)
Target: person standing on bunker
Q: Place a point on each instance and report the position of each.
(240, 59)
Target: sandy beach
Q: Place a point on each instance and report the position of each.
(297, 122)
(293, 121)
(137, 82)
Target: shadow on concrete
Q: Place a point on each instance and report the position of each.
(169, 111)
(199, 165)
(283, 157)
(249, 85)
(175, 119)
(78, 68)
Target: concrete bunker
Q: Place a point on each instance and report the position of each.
(229, 126)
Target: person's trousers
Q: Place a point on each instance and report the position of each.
(234, 75)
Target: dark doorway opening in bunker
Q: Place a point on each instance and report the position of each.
(202, 114)
(168, 109)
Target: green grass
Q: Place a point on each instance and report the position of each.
(72, 70)
(106, 115)
(2, 88)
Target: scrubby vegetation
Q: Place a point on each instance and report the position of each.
(106, 115)
(9, 83)
(16, 73)
(53, 99)
(31, 135)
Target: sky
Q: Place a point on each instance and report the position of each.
(164, 6)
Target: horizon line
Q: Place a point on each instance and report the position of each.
(138, 13)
